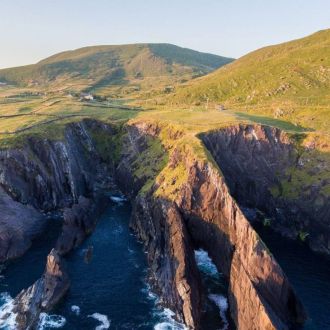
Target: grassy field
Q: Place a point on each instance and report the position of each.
(21, 116)
(290, 82)
(115, 71)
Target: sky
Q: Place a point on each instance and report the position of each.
(34, 29)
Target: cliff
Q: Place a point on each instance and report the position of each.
(181, 202)
(190, 195)
(286, 179)
(44, 176)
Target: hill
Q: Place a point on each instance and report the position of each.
(136, 66)
(290, 81)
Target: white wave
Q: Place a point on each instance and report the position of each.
(130, 250)
(205, 263)
(222, 304)
(50, 321)
(168, 322)
(149, 294)
(7, 316)
(118, 199)
(105, 323)
(75, 309)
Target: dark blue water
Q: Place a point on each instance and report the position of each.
(21, 273)
(111, 288)
(309, 274)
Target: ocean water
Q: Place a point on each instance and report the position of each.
(308, 272)
(109, 290)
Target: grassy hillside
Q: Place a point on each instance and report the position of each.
(136, 66)
(289, 81)
(249, 87)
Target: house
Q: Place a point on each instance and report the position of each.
(86, 97)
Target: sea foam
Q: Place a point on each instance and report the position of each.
(222, 304)
(7, 316)
(75, 309)
(47, 321)
(205, 264)
(118, 199)
(105, 323)
(168, 322)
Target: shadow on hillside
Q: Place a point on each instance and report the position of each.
(282, 124)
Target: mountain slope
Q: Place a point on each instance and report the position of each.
(99, 66)
(290, 80)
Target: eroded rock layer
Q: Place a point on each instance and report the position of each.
(260, 163)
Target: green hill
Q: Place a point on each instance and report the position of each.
(289, 81)
(98, 67)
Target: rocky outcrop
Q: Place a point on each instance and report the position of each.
(43, 295)
(174, 274)
(206, 215)
(19, 225)
(51, 175)
(78, 222)
(259, 163)
(44, 176)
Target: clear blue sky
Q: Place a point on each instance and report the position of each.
(34, 29)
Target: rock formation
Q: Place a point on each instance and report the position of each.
(206, 215)
(43, 295)
(257, 162)
(19, 225)
(78, 222)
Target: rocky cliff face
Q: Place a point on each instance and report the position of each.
(53, 174)
(177, 209)
(259, 163)
(45, 176)
(200, 212)
(19, 224)
(174, 274)
(69, 177)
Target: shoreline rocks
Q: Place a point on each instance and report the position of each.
(43, 295)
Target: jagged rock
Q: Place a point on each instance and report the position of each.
(171, 257)
(79, 221)
(43, 295)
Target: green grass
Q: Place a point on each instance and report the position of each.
(115, 70)
(290, 82)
